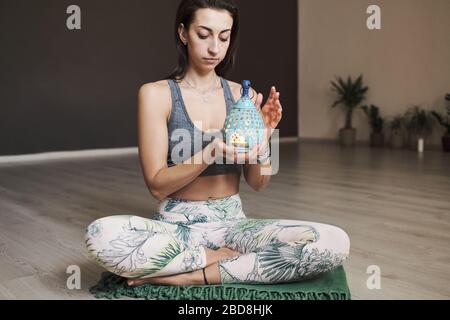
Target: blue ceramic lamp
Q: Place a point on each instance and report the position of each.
(244, 126)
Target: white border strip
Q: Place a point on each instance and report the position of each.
(288, 139)
(57, 155)
(92, 153)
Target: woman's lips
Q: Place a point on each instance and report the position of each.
(210, 60)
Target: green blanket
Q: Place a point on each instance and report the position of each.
(329, 286)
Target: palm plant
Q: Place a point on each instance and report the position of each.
(444, 121)
(397, 126)
(350, 94)
(376, 123)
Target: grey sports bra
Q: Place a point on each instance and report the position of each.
(179, 119)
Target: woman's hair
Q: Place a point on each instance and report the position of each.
(185, 15)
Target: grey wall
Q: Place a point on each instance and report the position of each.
(72, 90)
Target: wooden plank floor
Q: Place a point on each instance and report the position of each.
(394, 204)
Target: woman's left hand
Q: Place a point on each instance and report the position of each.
(271, 111)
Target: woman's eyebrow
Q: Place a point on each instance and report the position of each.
(211, 29)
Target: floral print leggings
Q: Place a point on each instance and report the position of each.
(173, 242)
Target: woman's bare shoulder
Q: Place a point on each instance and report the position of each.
(159, 93)
(161, 86)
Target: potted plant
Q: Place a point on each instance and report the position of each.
(444, 121)
(397, 127)
(350, 94)
(376, 123)
(420, 125)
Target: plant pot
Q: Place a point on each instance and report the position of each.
(347, 137)
(446, 143)
(376, 140)
(397, 141)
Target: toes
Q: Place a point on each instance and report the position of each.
(137, 282)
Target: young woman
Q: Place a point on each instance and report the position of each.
(200, 234)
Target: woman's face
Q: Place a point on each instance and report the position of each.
(208, 37)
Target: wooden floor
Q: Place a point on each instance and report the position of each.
(394, 204)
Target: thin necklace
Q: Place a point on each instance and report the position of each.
(205, 97)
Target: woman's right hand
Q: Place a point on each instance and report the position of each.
(231, 155)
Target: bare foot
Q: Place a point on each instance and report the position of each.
(194, 277)
(182, 279)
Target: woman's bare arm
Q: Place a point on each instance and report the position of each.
(153, 147)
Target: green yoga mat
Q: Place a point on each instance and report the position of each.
(328, 286)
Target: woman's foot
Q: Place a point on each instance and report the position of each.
(194, 277)
(182, 279)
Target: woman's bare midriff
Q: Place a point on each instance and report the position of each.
(209, 187)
